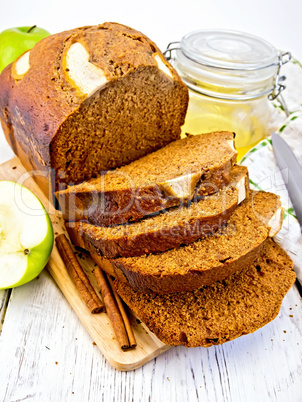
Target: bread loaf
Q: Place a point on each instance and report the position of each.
(225, 310)
(199, 164)
(207, 260)
(179, 225)
(88, 100)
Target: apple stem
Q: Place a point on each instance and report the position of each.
(31, 28)
(26, 251)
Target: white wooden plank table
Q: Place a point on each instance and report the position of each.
(47, 355)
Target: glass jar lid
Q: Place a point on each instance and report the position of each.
(227, 64)
(229, 50)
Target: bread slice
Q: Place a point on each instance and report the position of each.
(88, 100)
(179, 225)
(158, 181)
(221, 312)
(207, 260)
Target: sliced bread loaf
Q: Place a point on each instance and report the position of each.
(207, 260)
(160, 180)
(179, 225)
(225, 310)
(87, 100)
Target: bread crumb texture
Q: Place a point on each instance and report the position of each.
(82, 115)
(194, 166)
(179, 225)
(225, 310)
(207, 260)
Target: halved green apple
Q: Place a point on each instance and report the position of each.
(26, 235)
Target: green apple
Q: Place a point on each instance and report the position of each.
(26, 235)
(16, 41)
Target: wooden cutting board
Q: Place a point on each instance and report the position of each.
(98, 325)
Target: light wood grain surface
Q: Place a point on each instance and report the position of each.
(47, 354)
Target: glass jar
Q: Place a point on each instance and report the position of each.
(231, 76)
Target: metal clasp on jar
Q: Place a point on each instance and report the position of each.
(168, 52)
(279, 81)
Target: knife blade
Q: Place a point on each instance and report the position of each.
(291, 172)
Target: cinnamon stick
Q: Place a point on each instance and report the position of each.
(78, 275)
(119, 302)
(119, 322)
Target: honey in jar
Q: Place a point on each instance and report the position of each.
(231, 76)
